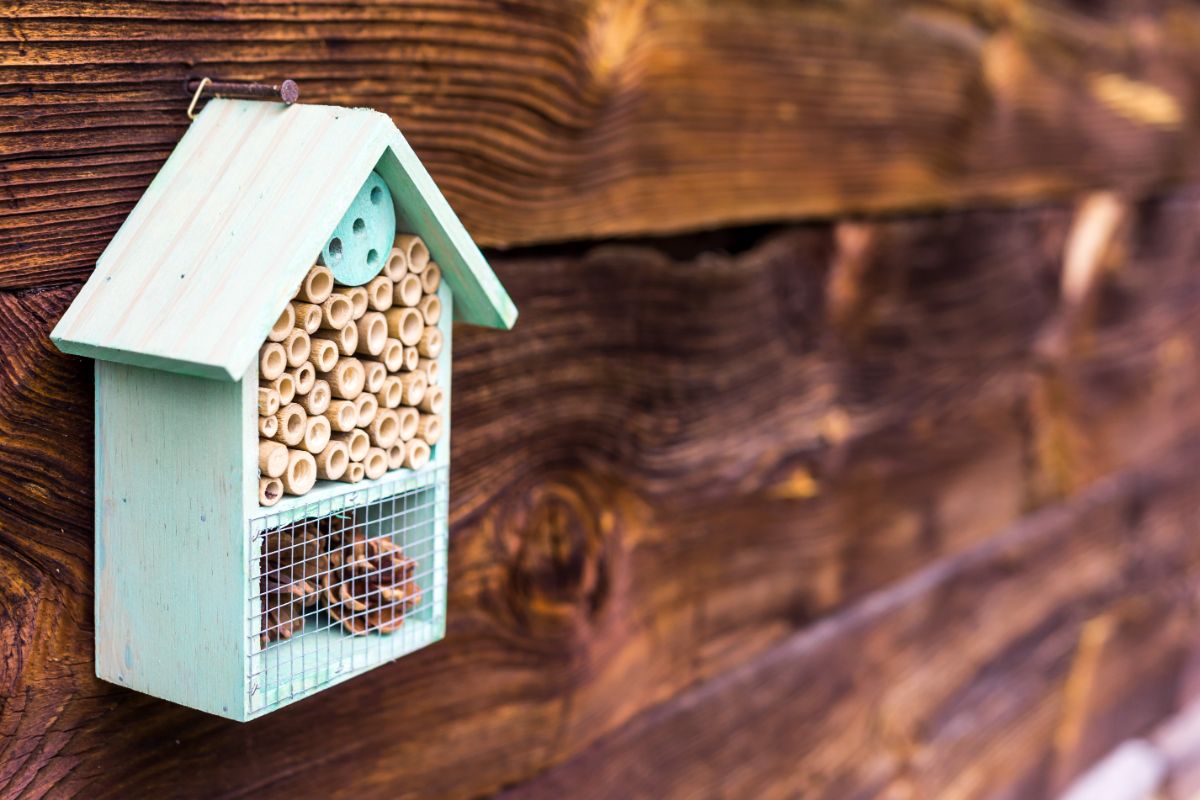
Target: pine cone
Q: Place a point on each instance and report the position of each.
(370, 585)
(293, 560)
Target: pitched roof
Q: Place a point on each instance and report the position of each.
(215, 248)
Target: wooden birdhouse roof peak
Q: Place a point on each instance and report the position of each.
(215, 248)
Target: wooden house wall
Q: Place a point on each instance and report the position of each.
(827, 484)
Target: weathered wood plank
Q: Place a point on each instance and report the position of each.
(548, 121)
(669, 467)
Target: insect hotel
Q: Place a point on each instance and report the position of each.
(271, 327)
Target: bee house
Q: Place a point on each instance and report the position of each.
(272, 333)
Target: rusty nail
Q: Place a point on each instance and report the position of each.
(287, 91)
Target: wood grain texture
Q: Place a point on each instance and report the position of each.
(678, 466)
(551, 121)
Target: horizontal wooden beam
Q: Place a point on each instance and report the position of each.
(548, 121)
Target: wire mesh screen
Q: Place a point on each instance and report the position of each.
(344, 584)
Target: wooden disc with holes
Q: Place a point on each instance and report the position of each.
(358, 247)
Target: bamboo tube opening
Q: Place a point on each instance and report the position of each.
(379, 293)
(365, 407)
(283, 326)
(332, 462)
(272, 361)
(393, 354)
(316, 286)
(407, 291)
(414, 384)
(395, 455)
(432, 401)
(385, 428)
(375, 464)
(342, 415)
(270, 490)
(430, 367)
(297, 347)
(308, 316)
(354, 473)
(397, 264)
(411, 358)
(357, 442)
(391, 394)
(431, 278)
(268, 427)
(337, 312)
(292, 420)
(347, 378)
(323, 354)
(409, 419)
(416, 454)
(376, 374)
(317, 399)
(359, 300)
(268, 401)
(431, 342)
(316, 434)
(430, 428)
(430, 308)
(405, 324)
(415, 251)
(285, 386)
(304, 376)
(301, 472)
(372, 333)
(272, 458)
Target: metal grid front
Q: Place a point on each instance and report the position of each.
(344, 584)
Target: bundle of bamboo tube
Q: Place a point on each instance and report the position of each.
(348, 377)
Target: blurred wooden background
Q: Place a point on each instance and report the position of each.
(846, 446)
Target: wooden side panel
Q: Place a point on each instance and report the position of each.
(170, 552)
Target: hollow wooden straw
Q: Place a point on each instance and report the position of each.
(332, 462)
(411, 358)
(430, 367)
(283, 326)
(285, 387)
(296, 346)
(372, 333)
(409, 420)
(430, 308)
(324, 353)
(415, 252)
(316, 434)
(304, 376)
(268, 427)
(354, 473)
(416, 454)
(397, 265)
(358, 299)
(391, 394)
(317, 399)
(292, 420)
(430, 428)
(268, 401)
(342, 415)
(346, 379)
(337, 312)
(365, 406)
(346, 338)
(405, 324)
(393, 354)
(301, 472)
(375, 463)
(376, 374)
(272, 361)
(384, 430)
(414, 385)
(379, 293)
(316, 286)
(308, 316)
(430, 344)
(431, 278)
(433, 400)
(407, 291)
(356, 442)
(395, 455)
(272, 458)
(270, 490)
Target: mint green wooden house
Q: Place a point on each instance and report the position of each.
(174, 315)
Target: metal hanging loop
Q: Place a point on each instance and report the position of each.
(287, 92)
